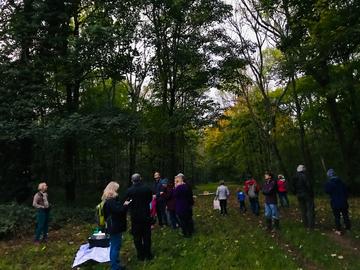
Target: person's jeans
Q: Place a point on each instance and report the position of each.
(42, 224)
(115, 245)
(271, 211)
(223, 209)
(345, 213)
(284, 201)
(254, 204)
(242, 206)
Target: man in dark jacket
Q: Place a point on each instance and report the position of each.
(140, 196)
(338, 200)
(302, 188)
(159, 191)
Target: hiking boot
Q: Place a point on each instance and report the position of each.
(268, 224)
(276, 224)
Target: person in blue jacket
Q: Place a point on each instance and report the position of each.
(338, 200)
(241, 199)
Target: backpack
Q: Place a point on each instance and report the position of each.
(252, 191)
(99, 214)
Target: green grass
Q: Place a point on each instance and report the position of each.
(233, 242)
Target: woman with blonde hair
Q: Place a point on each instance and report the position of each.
(115, 216)
(41, 203)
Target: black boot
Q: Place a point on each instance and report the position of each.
(276, 224)
(268, 224)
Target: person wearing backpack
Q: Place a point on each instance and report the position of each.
(269, 189)
(115, 218)
(41, 203)
(251, 189)
(222, 194)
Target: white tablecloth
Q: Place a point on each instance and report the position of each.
(97, 254)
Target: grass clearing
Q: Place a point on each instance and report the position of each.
(236, 241)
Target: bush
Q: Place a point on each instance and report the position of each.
(15, 219)
(19, 220)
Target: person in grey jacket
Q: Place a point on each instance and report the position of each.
(222, 194)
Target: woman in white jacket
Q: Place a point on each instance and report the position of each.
(222, 194)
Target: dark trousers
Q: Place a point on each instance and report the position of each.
(307, 208)
(42, 224)
(142, 239)
(242, 206)
(254, 204)
(223, 209)
(186, 223)
(345, 214)
(173, 219)
(284, 201)
(161, 212)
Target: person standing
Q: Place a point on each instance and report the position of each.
(302, 188)
(252, 189)
(269, 189)
(171, 205)
(282, 191)
(140, 197)
(159, 192)
(115, 218)
(222, 194)
(41, 203)
(338, 193)
(184, 202)
(241, 199)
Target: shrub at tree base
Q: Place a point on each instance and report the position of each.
(20, 220)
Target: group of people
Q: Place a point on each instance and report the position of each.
(277, 189)
(173, 202)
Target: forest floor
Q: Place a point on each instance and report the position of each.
(236, 241)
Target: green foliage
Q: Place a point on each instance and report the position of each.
(15, 219)
(18, 220)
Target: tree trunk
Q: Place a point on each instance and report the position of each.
(303, 144)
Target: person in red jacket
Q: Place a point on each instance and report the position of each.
(251, 189)
(282, 191)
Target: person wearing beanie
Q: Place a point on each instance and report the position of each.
(338, 193)
(140, 197)
(302, 188)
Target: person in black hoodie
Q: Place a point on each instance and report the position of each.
(338, 200)
(140, 197)
(302, 188)
(115, 217)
